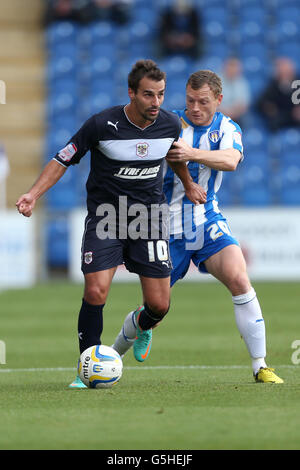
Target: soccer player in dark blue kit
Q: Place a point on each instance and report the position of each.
(128, 145)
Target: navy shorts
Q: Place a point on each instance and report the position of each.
(145, 257)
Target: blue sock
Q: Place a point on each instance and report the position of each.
(90, 325)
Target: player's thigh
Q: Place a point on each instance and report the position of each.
(156, 293)
(181, 258)
(229, 266)
(97, 285)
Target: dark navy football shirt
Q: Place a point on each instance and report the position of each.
(125, 159)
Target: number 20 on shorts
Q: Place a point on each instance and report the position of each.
(218, 229)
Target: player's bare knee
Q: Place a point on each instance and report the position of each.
(239, 284)
(95, 294)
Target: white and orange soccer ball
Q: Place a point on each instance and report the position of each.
(100, 367)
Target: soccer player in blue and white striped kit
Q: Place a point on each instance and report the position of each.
(210, 144)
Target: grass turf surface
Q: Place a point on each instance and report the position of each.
(159, 404)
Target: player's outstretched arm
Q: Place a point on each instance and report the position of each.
(52, 172)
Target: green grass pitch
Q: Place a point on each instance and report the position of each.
(196, 390)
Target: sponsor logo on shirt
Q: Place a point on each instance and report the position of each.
(67, 152)
(138, 173)
(115, 125)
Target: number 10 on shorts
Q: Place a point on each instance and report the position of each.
(160, 248)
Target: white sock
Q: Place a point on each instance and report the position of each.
(251, 326)
(126, 336)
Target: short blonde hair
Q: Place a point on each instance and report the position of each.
(206, 77)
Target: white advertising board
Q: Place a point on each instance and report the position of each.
(269, 238)
(17, 250)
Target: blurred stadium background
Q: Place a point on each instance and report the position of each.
(58, 74)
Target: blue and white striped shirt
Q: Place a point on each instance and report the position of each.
(221, 134)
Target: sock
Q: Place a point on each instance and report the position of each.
(148, 319)
(90, 325)
(126, 336)
(258, 364)
(251, 326)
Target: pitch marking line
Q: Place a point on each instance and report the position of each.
(65, 369)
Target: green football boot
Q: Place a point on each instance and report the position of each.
(77, 383)
(143, 341)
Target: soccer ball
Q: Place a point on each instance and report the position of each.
(100, 367)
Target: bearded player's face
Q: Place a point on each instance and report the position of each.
(148, 98)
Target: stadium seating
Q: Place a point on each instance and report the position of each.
(288, 144)
(256, 172)
(253, 11)
(144, 12)
(289, 167)
(254, 194)
(61, 32)
(252, 29)
(62, 66)
(215, 30)
(60, 103)
(59, 133)
(175, 93)
(289, 48)
(290, 183)
(102, 33)
(220, 49)
(139, 31)
(228, 193)
(218, 13)
(101, 65)
(175, 100)
(211, 62)
(64, 196)
(288, 32)
(177, 66)
(286, 12)
(57, 241)
(96, 102)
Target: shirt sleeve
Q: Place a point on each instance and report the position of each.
(232, 137)
(79, 144)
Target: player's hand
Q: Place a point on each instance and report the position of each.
(180, 152)
(196, 194)
(25, 204)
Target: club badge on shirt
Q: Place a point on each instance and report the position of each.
(142, 149)
(214, 136)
